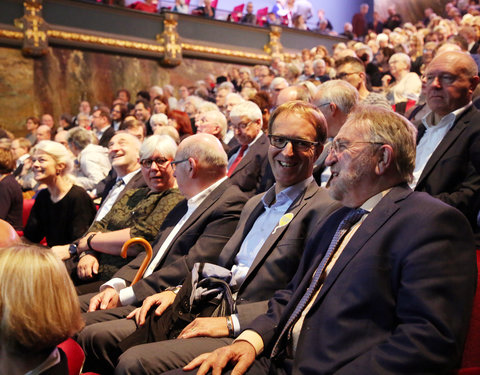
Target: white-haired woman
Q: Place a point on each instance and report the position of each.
(63, 211)
(407, 85)
(139, 213)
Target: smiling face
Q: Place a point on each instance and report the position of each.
(245, 130)
(448, 86)
(44, 167)
(159, 177)
(123, 152)
(352, 166)
(291, 165)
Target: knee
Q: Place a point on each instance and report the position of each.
(129, 363)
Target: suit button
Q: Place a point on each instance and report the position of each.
(180, 313)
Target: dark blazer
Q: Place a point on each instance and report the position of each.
(248, 173)
(278, 258)
(452, 172)
(200, 239)
(106, 136)
(397, 300)
(108, 182)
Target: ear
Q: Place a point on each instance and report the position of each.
(60, 167)
(333, 108)
(385, 159)
(474, 82)
(193, 167)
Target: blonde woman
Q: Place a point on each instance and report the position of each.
(38, 310)
(63, 211)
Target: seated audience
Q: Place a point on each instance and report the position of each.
(63, 211)
(206, 10)
(32, 125)
(39, 310)
(406, 86)
(92, 164)
(11, 199)
(139, 213)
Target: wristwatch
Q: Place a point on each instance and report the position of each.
(72, 249)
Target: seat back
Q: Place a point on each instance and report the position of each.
(74, 354)
(27, 207)
(262, 16)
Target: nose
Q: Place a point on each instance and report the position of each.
(331, 157)
(288, 149)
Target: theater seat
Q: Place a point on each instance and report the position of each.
(27, 207)
(75, 356)
(471, 353)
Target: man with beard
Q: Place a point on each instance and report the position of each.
(386, 284)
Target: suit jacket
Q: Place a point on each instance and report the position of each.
(397, 300)
(106, 136)
(200, 239)
(277, 260)
(452, 172)
(137, 181)
(248, 173)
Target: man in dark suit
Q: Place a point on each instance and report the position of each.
(446, 166)
(257, 254)
(196, 229)
(385, 287)
(124, 155)
(101, 125)
(248, 161)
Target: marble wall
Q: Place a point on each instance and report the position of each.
(57, 82)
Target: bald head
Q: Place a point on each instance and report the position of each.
(44, 132)
(293, 93)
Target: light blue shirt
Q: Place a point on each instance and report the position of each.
(275, 207)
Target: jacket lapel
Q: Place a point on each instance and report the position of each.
(452, 135)
(272, 240)
(247, 159)
(385, 209)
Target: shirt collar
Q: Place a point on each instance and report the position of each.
(290, 193)
(197, 200)
(449, 118)
(371, 202)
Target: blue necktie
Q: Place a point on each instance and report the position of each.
(350, 219)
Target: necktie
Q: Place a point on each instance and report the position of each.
(350, 219)
(237, 160)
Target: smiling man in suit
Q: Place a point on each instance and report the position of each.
(448, 138)
(261, 256)
(384, 287)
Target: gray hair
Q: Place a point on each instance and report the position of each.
(159, 119)
(246, 109)
(79, 137)
(337, 91)
(278, 81)
(402, 57)
(219, 119)
(161, 143)
(214, 159)
(170, 131)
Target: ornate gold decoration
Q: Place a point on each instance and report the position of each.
(35, 41)
(11, 34)
(224, 52)
(274, 47)
(169, 40)
(100, 40)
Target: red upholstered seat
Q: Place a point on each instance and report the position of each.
(75, 356)
(471, 353)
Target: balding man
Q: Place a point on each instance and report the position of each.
(195, 230)
(214, 123)
(296, 92)
(386, 284)
(44, 133)
(448, 139)
(277, 85)
(124, 155)
(248, 161)
(335, 99)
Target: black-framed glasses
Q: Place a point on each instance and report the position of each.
(241, 125)
(160, 162)
(341, 146)
(175, 162)
(344, 74)
(279, 141)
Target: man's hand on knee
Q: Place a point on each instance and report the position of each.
(107, 299)
(163, 300)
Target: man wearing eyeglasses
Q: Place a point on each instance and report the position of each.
(264, 251)
(248, 161)
(386, 284)
(447, 165)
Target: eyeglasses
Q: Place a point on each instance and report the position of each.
(443, 78)
(341, 146)
(175, 162)
(298, 144)
(161, 163)
(241, 125)
(344, 74)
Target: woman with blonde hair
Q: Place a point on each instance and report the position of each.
(63, 211)
(38, 310)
